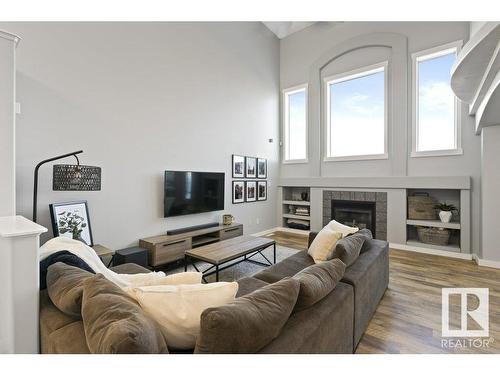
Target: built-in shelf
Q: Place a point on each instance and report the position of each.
(298, 217)
(198, 241)
(451, 247)
(298, 203)
(433, 223)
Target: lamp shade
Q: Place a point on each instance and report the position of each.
(67, 177)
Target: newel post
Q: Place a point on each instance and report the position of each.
(19, 284)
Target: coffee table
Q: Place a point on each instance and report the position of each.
(219, 253)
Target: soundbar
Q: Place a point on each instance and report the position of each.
(193, 228)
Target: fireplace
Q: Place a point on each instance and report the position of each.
(354, 213)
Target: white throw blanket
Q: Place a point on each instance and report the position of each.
(89, 256)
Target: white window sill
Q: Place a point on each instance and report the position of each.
(356, 157)
(296, 161)
(427, 154)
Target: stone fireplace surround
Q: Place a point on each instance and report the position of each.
(380, 199)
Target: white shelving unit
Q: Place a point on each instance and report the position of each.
(433, 224)
(450, 196)
(293, 198)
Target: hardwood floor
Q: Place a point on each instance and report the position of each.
(408, 319)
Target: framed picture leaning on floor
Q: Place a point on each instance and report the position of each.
(72, 220)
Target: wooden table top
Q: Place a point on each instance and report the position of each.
(223, 251)
(102, 250)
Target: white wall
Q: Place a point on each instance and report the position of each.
(140, 98)
(299, 57)
(7, 117)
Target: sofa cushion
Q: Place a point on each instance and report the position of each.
(286, 268)
(115, 323)
(323, 246)
(339, 227)
(368, 236)
(250, 322)
(69, 339)
(248, 285)
(369, 275)
(317, 281)
(177, 308)
(348, 248)
(65, 287)
(325, 327)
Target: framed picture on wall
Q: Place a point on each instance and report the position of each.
(250, 167)
(261, 168)
(72, 220)
(238, 191)
(261, 190)
(238, 166)
(251, 191)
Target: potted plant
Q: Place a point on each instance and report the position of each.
(445, 211)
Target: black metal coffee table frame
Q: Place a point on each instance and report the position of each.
(246, 258)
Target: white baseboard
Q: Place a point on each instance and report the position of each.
(424, 250)
(485, 262)
(267, 231)
(282, 229)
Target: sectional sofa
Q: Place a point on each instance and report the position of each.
(334, 324)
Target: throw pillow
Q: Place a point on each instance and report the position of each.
(249, 323)
(349, 248)
(317, 281)
(322, 247)
(338, 227)
(65, 287)
(115, 323)
(146, 279)
(367, 233)
(177, 308)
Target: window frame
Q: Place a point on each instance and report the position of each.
(347, 76)
(425, 55)
(285, 122)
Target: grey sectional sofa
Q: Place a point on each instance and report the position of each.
(335, 324)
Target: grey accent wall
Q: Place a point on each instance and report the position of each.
(304, 53)
(140, 98)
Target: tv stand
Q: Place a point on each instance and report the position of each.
(168, 248)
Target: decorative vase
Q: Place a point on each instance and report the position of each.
(445, 216)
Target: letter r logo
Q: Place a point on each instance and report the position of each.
(478, 314)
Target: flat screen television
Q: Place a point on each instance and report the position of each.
(193, 192)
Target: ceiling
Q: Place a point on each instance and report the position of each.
(283, 29)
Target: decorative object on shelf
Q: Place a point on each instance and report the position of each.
(250, 167)
(434, 236)
(261, 168)
(445, 211)
(68, 177)
(238, 166)
(302, 211)
(72, 220)
(261, 190)
(304, 196)
(421, 207)
(251, 191)
(238, 191)
(227, 219)
(291, 209)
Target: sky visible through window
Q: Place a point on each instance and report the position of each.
(297, 126)
(357, 123)
(436, 105)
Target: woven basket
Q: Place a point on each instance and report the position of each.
(421, 207)
(434, 236)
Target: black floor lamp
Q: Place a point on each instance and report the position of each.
(69, 177)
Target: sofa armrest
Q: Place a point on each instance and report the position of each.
(312, 236)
